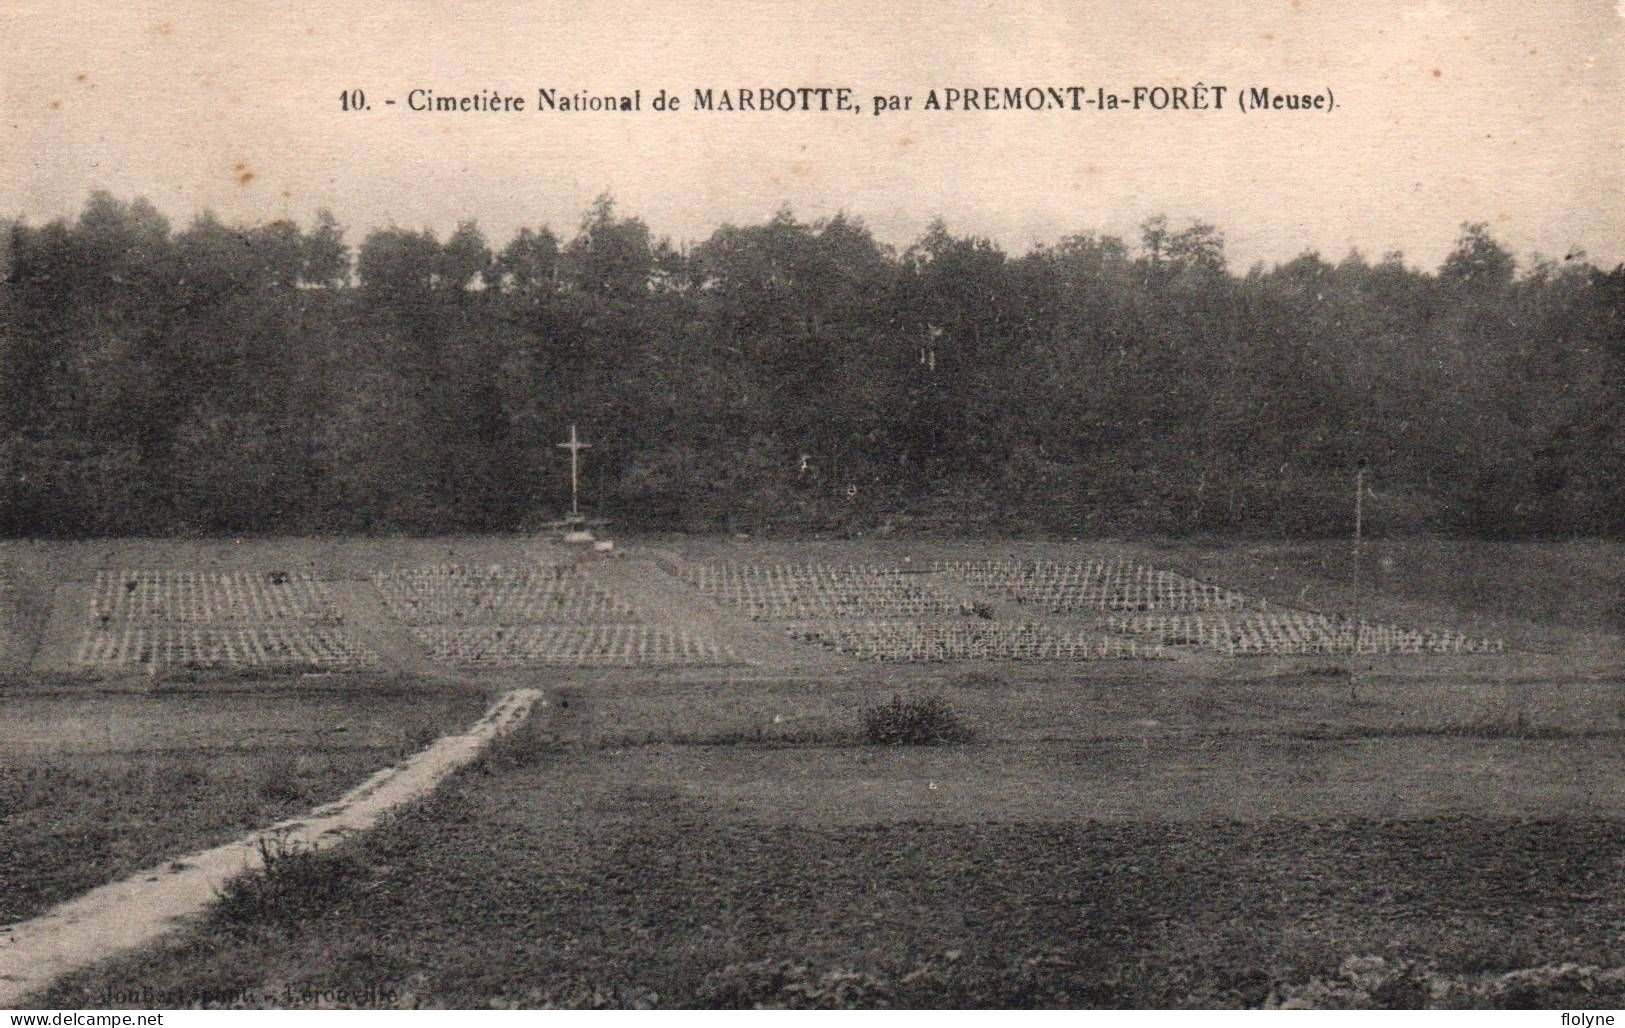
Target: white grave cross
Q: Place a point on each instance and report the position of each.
(575, 446)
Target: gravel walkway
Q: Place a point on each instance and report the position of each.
(144, 906)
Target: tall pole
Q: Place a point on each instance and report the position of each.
(1359, 499)
(1359, 510)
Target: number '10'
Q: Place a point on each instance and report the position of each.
(353, 100)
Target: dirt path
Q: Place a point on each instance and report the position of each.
(144, 906)
(660, 598)
(374, 627)
(58, 648)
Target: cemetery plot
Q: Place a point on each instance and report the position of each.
(202, 596)
(814, 591)
(497, 594)
(236, 619)
(530, 615)
(922, 641)
(137, 646)
(1093, 585)
(1295, 632)
(1175, 610)
(878, 612)
(619, 645)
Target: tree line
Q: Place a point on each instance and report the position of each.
(793, 375)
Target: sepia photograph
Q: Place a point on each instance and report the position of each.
(720, 505)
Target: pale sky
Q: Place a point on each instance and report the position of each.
(1501, 111)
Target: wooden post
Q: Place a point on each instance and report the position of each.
(1359, 498)
(1359, 491)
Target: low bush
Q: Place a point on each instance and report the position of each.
(297, 882)
(913, 721)
(289, 778)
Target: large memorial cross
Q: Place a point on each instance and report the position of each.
(575, 446)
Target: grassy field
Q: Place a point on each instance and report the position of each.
(538, 880)
(324, 556)
(1204, 832)
(97, 785)
(1125, 841)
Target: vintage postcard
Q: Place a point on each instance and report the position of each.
(710, 504)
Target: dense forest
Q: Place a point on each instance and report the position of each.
(793, 376)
